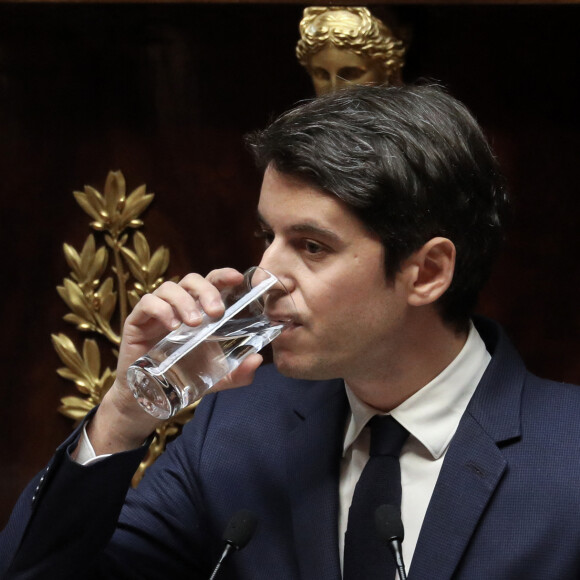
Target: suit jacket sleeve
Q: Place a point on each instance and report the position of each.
(273, 448)
(66, 515)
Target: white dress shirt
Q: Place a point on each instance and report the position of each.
(86, 454)
(431, 416)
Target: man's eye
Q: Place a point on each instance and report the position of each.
(266, 236)
(313, 247)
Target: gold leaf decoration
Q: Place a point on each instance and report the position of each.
(105, 283)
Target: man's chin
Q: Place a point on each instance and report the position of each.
(287, 365)
(295, 367)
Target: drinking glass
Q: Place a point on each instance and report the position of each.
(189, 361)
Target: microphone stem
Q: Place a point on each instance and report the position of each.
(395, 546)
(226, 551)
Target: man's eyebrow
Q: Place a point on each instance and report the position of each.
(305, 227)
(308, 228)
(261, 220)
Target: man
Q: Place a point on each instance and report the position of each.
(381, 211)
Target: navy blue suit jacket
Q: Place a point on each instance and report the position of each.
(506, 505)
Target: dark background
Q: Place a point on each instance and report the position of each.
(165, 93)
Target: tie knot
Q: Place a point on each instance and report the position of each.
(387, 436)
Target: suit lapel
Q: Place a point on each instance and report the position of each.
(472, 469)
(314, 453)
(474, 463)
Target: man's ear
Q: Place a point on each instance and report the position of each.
(428, 272)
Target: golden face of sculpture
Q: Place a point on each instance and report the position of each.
(339, 46)
(333, 68)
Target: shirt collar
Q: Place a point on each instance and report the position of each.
(433, 413)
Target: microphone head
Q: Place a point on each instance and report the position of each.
(389, 524)
(240, 529)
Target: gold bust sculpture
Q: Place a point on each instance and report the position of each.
(342, 45)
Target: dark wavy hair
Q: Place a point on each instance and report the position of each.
(412, 163)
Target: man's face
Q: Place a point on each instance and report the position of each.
(349, 315)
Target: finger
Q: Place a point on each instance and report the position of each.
(224, 277)
(241, 376)
(207, 290)
(153, 308)
(206, 295)
(182, 301)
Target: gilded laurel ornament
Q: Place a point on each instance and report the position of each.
(105, 283)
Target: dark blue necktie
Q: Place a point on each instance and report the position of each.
(365, 556)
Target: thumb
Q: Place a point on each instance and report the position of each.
(241, 376)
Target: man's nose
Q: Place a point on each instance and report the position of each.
(274, 260)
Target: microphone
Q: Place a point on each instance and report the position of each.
(237, 534)
(390, 529)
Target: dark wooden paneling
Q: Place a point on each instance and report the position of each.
(165, 93)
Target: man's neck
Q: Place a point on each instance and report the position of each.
(423, 351)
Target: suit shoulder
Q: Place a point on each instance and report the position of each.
(538, 388)
(552, 407)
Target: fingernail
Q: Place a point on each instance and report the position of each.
(194, 317)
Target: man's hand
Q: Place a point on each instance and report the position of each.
(120, 423)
